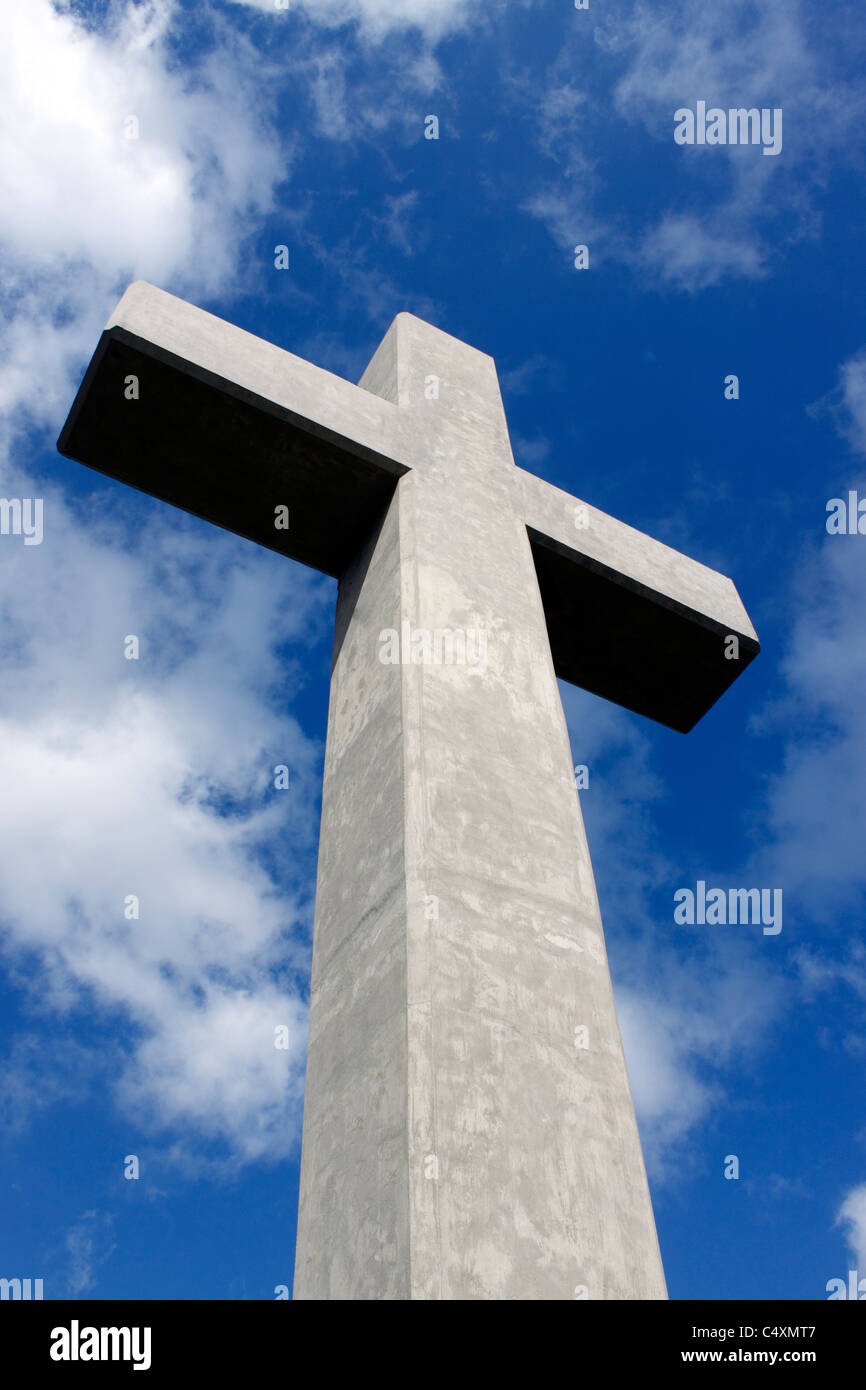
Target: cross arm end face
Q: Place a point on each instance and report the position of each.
(197, 412)
(628, 617)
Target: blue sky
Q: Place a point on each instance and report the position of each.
(305, 127)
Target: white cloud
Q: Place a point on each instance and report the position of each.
(691, 254)
(155, 778)
(816, 804)
(852, 1214)
(739, 54)
(681, 1039)
(853, 384)
(567, 206)
(84, 209)
(854, 399)
(28, 1086)
(713, 213)
(623, 789)
(89, 1244)
(376, 18)
(662, 1048)
(149, 777)
(846, 403)
(756, 53)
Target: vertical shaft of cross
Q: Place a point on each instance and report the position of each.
(468, 1128)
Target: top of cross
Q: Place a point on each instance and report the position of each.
(230, 427)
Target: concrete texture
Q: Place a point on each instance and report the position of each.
(468, 1128)
(629, 618)
(218, 429)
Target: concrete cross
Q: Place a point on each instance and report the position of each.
(468, 1126)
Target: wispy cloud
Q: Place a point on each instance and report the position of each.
(816, 803)
(852, 1215)
(683, 1041)
(89, 1245)
(846, 403)
(715, 213)
(156, 173)
(155, 778)
(691, 253)
(375, 18)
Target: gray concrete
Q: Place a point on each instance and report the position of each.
(459, 1142)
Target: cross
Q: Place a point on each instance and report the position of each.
(468, 1128)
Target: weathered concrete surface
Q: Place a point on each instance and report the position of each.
(219, 429)
(457, 1143)
(468, 1127)
(317, 398)
(629, 618)
(577, 527)
(354, 1238)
